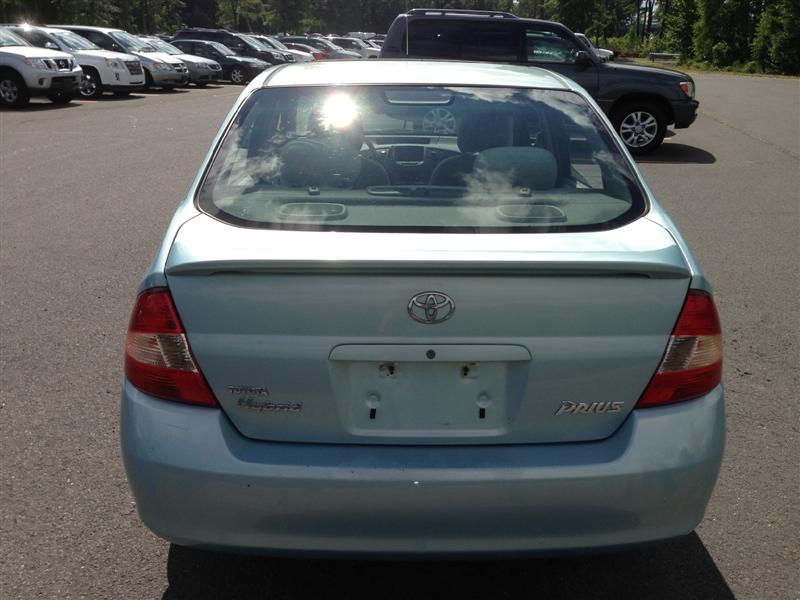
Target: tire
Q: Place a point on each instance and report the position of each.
(13, 91)
(90, 87)
(237, 76)
(148, 80)
(60, 98)
(641, 125)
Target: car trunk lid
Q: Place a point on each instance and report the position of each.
(311, 336)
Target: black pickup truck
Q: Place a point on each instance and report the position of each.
(640, 101)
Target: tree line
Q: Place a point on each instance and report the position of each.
(754, 35)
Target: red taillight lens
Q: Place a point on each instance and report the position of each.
(692, 364)
(320, 55)
(158, 360)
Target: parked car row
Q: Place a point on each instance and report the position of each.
(640, 101)
(64, 61)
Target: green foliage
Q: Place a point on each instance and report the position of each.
(677, 26)
(776, 47)
(724, 30)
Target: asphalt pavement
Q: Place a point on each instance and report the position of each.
(86, 192)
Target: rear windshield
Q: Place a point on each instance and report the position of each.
(420, 158)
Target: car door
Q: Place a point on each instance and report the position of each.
(552, 49)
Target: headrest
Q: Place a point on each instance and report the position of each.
(329, 162)
(480, 131)
(303, 164)
(529, 167)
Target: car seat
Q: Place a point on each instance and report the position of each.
(476, 132)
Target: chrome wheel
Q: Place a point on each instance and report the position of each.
(9, 91)
(638, 129)
(439, 120)
(237, 76)
(88, 86)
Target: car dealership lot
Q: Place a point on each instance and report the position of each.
(87, 190)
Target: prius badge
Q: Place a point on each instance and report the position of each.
(431, 307)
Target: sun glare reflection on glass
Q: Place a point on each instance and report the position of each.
(339, 111)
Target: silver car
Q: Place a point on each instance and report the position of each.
(202, 71)
(414, 310)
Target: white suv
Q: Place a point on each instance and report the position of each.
(103, 70)
(26, 71)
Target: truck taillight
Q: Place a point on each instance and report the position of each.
(692, 363)
(158, 360)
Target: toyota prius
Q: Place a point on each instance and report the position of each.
(415, 309)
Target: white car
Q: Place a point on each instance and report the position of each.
(355, 45)
(26, 71)
(601, 53)
(103, 70)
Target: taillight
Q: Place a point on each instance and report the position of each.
(692, 364)
(158, 360)
(320, 55)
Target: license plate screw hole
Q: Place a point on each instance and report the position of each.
(430, 354)
(387, 369)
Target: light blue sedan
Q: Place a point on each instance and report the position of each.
(418, 308)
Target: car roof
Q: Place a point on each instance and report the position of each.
(494, 16)
(195, 41)
(29, 27)
(87, 27)
(403, 72)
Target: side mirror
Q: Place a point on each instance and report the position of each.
(116, 48)
(583, 58)
(51, 46)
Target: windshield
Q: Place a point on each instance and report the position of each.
(277, 44)
(222, 49)
(131, 43)
(420, 158)
(73, 41)
(321, 44)
(7, 38)
(162, 46)
(253, 42)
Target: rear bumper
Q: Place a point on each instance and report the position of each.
(198, 482)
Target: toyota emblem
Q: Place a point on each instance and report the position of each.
(431, 307)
